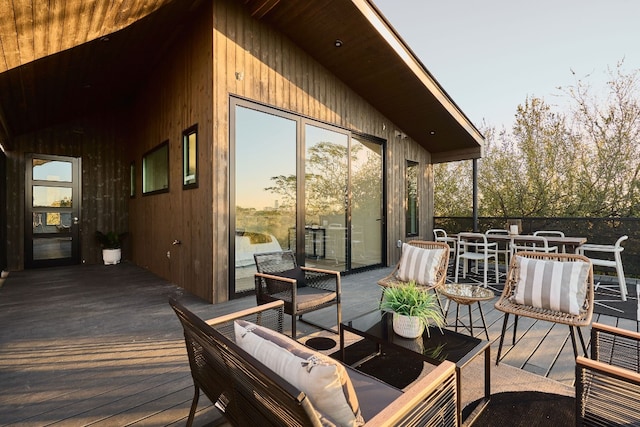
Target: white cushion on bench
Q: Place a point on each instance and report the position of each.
(555, 285)
(322, 379)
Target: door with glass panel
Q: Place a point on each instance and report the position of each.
(52, 211)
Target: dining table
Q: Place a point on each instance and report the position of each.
(570, 243)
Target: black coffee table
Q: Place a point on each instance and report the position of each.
(446, 345)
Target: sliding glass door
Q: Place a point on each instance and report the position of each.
(303, 186)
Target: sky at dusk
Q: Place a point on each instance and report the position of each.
(490, 55)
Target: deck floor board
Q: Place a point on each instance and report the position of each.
(99, 345)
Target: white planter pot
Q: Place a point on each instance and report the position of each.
(407, 326)
(111, 256)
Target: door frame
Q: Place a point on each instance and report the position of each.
(76, 209)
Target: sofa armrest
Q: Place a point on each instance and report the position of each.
(269, 315)
(615, 346)
(431, 398)
(605, 394)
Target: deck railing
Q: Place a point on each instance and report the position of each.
(596, 230)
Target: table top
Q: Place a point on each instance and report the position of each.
(433, 348)
(464, 293)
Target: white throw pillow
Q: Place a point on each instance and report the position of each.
(419, 265)
(324, 380)
(555, 285)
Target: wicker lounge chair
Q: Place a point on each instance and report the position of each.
(440, 273)
(582, 302)
(249, 393)
(608, 384)
(303, 289)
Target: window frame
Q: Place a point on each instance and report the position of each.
(412, 205)
(162, 146)
(186, 146)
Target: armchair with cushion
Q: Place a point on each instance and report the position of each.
(303, 289)
(608, 384)
(552, 287)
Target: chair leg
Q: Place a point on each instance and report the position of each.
(504, 329)
(621, 279)
(573, 341)
(515, 327)
(294, 319)
(584, 346)
(194, 406)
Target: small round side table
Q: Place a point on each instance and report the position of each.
(467, 294)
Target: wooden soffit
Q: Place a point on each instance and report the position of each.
(375, 62)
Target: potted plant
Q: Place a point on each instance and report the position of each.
(413, 309)
(111, 244)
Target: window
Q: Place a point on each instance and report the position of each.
(412, 217)
(132, 179)
(190, 157)
(155, 170)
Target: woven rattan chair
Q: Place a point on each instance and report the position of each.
(303, 289)
(507, 301)
(608, 384)
(441, 272)
(437, 281)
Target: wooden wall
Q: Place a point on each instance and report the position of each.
(105, 185)
(192, 84)
(177, 96)
(277, 73)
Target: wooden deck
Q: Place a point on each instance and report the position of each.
(99, 345)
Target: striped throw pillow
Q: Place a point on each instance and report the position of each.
(555, 285)
(419, 265)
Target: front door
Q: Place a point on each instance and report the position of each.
(52, 211)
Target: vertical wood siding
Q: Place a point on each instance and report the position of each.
(192, 84)
(277, 73)
(177, 96)
(105, 180)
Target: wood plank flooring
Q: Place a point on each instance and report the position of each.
(99, 345)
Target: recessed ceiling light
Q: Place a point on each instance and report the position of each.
(338, 43)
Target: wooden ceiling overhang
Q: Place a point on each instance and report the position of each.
(377, 64)
(74, 55)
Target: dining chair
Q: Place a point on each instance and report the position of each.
(616, 250)
(502, 247)
(476, 247)
(440, 235)
(555, 233)
(532, 244)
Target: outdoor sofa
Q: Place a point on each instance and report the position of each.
(250, 393)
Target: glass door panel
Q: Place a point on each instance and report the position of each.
(326, 198)
(265, 189)
(366, 203)
(52, 211)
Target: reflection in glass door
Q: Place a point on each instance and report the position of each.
(52, 209)
(281, 160)
(366, 203)
(326, 198)
(265, 189)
